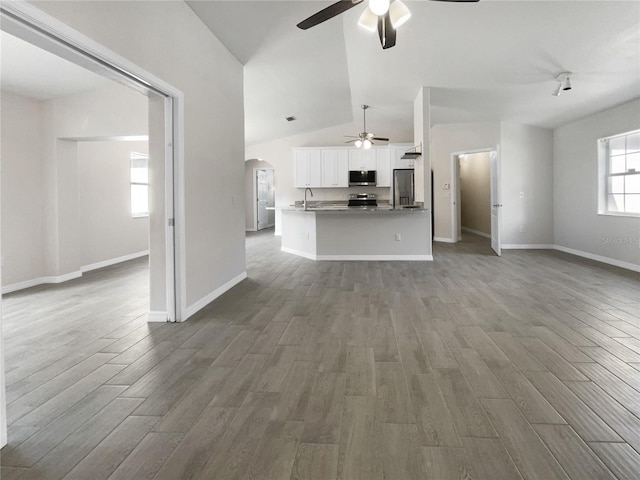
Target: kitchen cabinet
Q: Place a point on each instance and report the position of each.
(335, 166)
(397, 161)
(308, 166)
(383, 166)
(360, 159)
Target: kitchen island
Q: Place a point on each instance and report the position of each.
(357, 233)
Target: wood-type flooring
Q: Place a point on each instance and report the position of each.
(525, 366)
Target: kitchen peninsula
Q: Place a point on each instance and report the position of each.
(340, 232)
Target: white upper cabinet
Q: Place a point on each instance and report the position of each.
(308, 167)
(335, 165)
(397, 161)
(360, 159)
(383, 166)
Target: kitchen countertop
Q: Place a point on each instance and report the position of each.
(343, 209)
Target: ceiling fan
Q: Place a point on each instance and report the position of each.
(364, 139)
(385, 15)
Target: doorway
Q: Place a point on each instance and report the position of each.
(167, 297)
(260, 195)
(265, 198)
(475, 186)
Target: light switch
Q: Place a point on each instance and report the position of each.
(446, 186)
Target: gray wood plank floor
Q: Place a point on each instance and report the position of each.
(471, 366)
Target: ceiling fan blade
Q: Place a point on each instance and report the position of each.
(386, 32)
(328, 13)
(351, 141)
(456, 0)
(382, 139)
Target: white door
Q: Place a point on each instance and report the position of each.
(496, 206)
(262, 186)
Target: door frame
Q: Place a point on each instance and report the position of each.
(255, 195)
(31, 24)
(455, 186)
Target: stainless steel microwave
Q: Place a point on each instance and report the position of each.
(362, 177)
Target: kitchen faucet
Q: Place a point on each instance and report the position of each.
(305, 196)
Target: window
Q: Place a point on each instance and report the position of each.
(620, 174)
(139, 185)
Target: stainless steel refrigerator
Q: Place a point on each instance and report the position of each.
(403, 187)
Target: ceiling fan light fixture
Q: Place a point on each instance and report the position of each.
(368, 20)
(358, 143)
(379, 7)
(399, 13)
(366, 144)
(564, 83)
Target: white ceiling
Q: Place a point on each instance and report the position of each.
(492, 60)
(32, 72)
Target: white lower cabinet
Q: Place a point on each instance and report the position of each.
(335, 165)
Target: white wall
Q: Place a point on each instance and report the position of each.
(22, 195)
(475, 193)
(44, 239)
(174, 45)
(577, 224)
(110, 112)
(279, 154)
(445, 140)
(107, 229)
(527, 166)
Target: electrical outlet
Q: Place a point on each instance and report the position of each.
(521, 194)
(522, 228)
(398, 237)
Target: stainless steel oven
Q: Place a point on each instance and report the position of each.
(362, 177)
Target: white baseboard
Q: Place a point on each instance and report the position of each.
(277, 233)
(476, 232)
(14, 287)
(599, 258)
(70, 276)
(207, 299)
(443, 239)
(527, 246)
(349, 258)
(377, 258)
(157, 316)
(299, 253)
(251, 229)
(113, 261)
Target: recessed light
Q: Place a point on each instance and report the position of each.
(291, 118)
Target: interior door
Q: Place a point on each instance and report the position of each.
(262, 189)
(496, 206)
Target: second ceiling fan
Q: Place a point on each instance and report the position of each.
(364, 138)
(385, 15)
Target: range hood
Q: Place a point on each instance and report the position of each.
(412, 152)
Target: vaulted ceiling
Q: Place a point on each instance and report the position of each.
(486, 61)
(492, 60)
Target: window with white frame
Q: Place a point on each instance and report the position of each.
(620, 174)
(139, 185)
